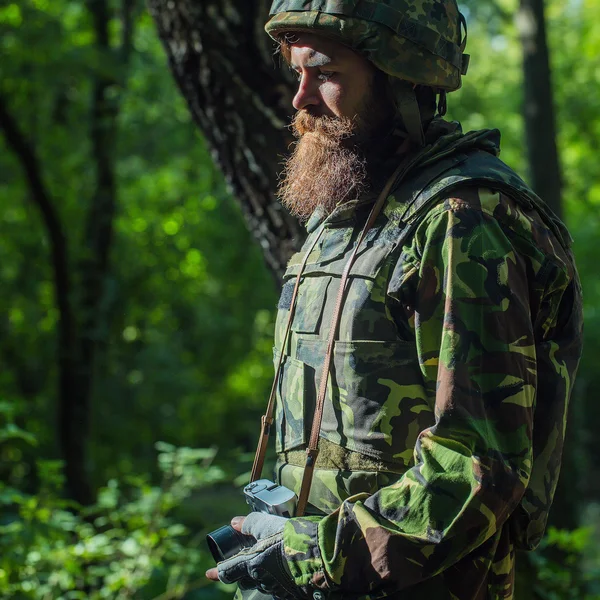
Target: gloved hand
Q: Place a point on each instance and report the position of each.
(261, 525)
(262, 566)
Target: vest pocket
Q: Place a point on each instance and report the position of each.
(309, 306)
(376, 402)
(290, 422)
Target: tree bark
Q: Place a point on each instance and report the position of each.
(538, 106)
(223, 63)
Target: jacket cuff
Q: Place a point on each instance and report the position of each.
(301, 551)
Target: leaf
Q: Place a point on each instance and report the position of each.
(12, 432)
(164, 447)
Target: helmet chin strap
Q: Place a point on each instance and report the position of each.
(413, 115)
(442, 103)
(408, 107)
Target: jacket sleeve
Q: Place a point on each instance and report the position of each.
(471, 321)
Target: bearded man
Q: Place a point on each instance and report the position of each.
(428, 332)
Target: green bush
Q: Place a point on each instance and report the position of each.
(127, 545)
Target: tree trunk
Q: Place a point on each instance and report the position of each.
(223, 62)
(538, 107)
(546, 180)
(94, 266)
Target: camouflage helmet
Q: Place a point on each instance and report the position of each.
(415, 42)
(419, 41)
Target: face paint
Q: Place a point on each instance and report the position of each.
(315, 59)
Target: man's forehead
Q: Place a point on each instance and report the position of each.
(312, 51)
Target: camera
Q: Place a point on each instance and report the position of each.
(262, 496)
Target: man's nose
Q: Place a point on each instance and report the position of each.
(307, 94)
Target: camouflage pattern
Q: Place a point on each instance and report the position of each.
(446, 406)
(417, 41)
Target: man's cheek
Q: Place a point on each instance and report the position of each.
(335, 98)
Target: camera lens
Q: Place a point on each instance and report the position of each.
(226, 542)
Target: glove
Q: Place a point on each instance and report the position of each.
(262, 566)
(261, 525)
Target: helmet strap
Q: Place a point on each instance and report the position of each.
(408, 107)
(442, 103)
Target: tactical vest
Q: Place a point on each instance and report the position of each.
(369, 429)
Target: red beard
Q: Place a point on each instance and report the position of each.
(325, 168)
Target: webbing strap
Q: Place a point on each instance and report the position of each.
(465, 59)
(408, 107)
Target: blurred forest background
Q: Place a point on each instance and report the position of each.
(138, 292)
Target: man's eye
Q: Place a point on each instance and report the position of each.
(326, 75)
(322, 76)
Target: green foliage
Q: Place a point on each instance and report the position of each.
(186, 321)
(128, 545)
(557, 566)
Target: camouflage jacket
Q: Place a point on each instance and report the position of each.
(445, 415)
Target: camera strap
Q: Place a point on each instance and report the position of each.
(312, 450)
(267, 418)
